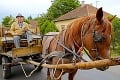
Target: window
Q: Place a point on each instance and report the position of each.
(62, 27)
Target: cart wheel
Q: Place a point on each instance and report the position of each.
(0, 59)
(6, 70)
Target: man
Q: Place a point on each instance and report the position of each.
(20, 29)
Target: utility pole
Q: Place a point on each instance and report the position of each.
(52, 1)
(97, 3)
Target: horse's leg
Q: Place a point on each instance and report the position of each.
(72, 74)
(48, 74)
(57, 75)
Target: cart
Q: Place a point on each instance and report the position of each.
(11, 56)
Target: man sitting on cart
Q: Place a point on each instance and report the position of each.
(20, 29)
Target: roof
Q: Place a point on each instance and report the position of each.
(33, 23)
(84, 10)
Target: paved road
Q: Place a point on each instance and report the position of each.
(111, 74)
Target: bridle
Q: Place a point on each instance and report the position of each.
(97, 38)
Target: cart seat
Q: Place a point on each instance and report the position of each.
(8, 43)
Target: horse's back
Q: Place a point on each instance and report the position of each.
(47, 39)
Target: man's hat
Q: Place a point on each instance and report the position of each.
(19, 15)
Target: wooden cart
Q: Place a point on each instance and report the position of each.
(11, 56)
(32, 55)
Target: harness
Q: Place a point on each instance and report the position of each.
(72, 53)
(96, 38)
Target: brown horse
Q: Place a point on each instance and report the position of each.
(90, 32)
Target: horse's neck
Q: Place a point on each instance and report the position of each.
(74, 31)
(79, 28)
(71, 34)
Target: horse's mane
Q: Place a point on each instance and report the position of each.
(76, 25)
(74, 28)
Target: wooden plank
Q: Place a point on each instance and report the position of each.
(26, 51)
(7, 39)
(10, 38)
(9, 53)
(83, 65)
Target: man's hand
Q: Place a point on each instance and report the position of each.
(7, 32)
(25, 28)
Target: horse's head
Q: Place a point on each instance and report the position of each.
(97, 36)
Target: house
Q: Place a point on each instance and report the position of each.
(34, 26)
(81, 11)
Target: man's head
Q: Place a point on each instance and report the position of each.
(20, 17)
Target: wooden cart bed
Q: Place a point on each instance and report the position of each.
(23, 51)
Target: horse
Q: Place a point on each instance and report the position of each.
(91, 32)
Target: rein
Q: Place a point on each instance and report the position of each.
(81, 48)
(62, 45)
(96, 38)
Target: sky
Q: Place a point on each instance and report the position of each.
(35, 7)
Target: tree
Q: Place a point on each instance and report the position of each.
(30, 18)
(6, 21)
(116, 35)
(116, 30)
(60, 7)
(48, 26)
(41, 19)
(26, 20)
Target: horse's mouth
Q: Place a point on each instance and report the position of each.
(103, 68)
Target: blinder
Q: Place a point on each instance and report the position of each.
(97, 36)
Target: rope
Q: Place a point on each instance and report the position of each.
(56, 69)
(32, 70)
(25, 71)
(43, 60)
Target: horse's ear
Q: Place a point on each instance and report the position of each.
(110, 19)
(99, 14)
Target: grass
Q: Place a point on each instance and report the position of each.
(115, 53)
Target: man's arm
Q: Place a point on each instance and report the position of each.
(12, 29)
(26, 27)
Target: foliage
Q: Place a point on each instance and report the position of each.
(48, 26)
(60, 7)
(29, 18)
(116, 36)
(6, 21)
(41, 19)
(26, 20)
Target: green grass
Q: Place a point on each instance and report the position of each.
(115, 53)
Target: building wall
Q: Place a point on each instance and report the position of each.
(63, 24)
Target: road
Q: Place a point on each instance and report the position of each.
(113, 73)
